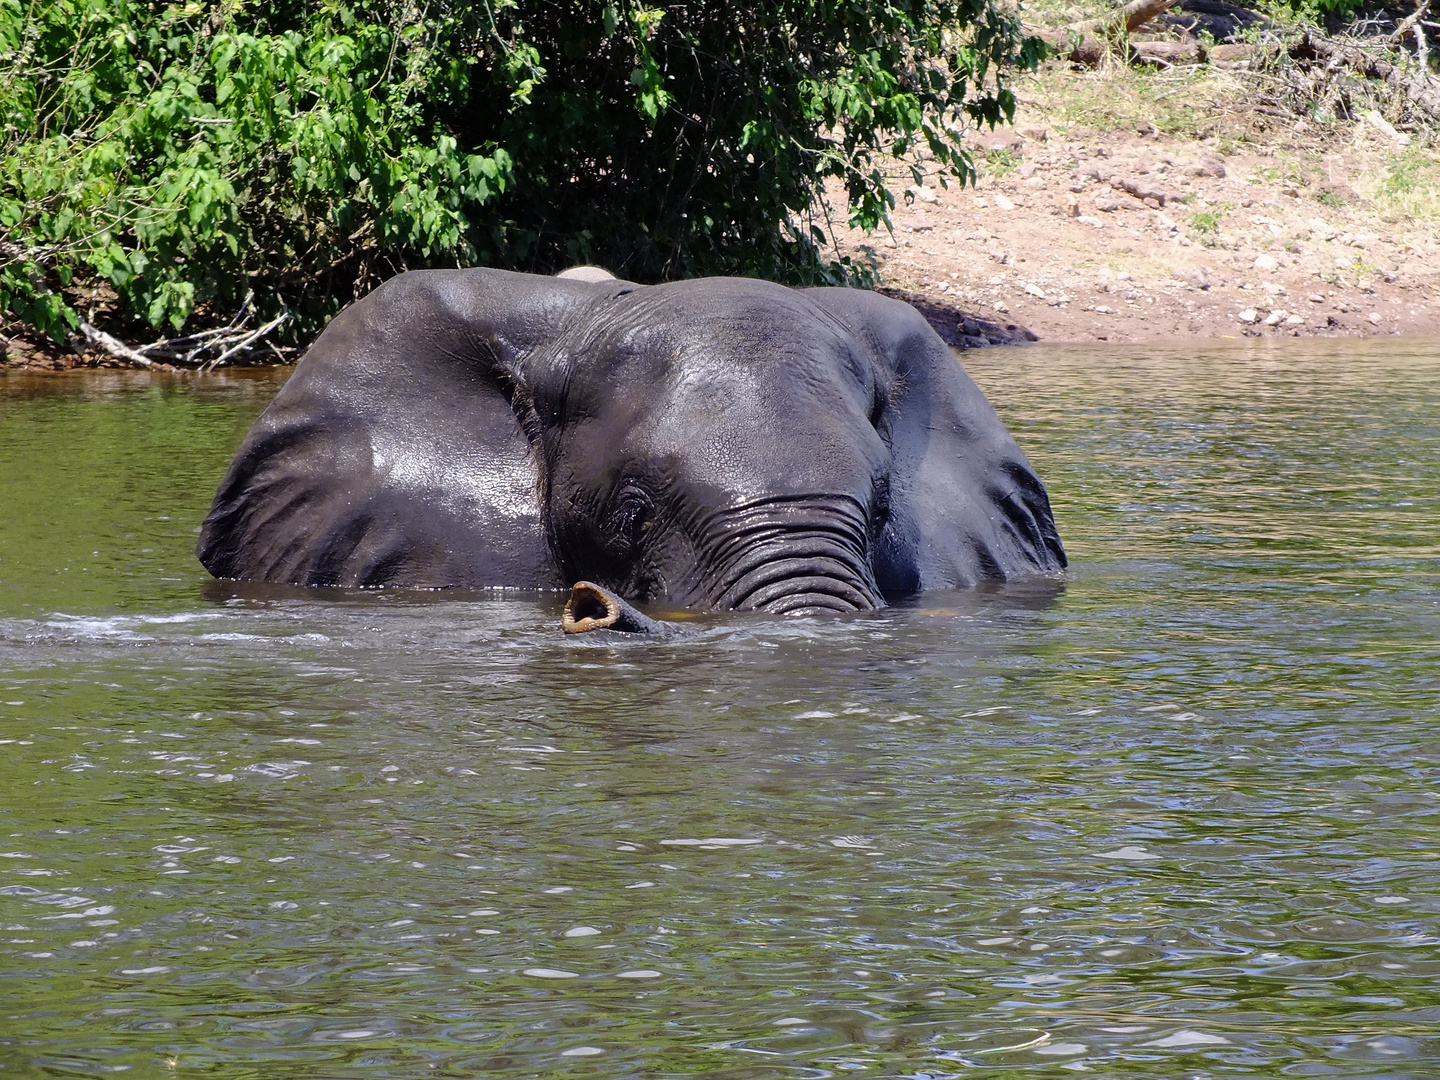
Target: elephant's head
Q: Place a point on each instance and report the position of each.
(717, 463)
(721, 443)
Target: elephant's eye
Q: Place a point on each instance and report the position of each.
(632, 511)
(880, 506)
(879, 404)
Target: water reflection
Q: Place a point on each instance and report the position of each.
(1176, 818)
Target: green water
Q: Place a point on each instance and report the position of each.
(1180, 819)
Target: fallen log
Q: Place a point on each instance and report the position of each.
(114, 346)
(1169, 53)
(1133, 16)
(205, 351)
(1411, 25)
(1230, 55)
(1088, 41)
(1419, 88)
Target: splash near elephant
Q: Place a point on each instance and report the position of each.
(717, 443)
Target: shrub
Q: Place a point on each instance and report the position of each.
(186, 155)
(1001, 161)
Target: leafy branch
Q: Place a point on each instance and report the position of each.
(176, 161)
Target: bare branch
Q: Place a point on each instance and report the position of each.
(1411, 21)
(247, 342)
(114, 346)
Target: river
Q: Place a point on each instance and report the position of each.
(1178, 818)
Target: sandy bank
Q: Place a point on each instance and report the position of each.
(1128, 235)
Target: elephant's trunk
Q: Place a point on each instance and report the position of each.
(794, 557)
(591, 608)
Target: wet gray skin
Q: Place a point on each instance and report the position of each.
(718, 444)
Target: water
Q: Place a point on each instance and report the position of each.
(1179, 819)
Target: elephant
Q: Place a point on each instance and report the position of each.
(712, 443)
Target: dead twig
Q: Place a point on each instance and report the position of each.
(184, 350)
(205, 350)
(247, 342)
(15, 253)
(1415, 25)
(1421, 90)
(1409, 23)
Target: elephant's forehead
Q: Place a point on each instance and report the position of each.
(747, 429)
(746, 387)
(724, 322)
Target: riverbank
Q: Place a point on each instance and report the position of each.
(1133, 206)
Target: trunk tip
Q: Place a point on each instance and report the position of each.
(589, 608)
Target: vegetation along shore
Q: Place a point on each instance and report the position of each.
(204, 185)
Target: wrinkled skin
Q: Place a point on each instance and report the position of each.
(718, 443)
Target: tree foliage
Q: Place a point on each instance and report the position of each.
(185, 155)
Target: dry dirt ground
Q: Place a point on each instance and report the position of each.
(1130, 235)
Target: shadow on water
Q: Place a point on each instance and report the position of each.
(1173, 816)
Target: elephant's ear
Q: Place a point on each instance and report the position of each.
(396, 454)
(965, 505)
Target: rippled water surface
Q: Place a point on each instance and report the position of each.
(1178, 819)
